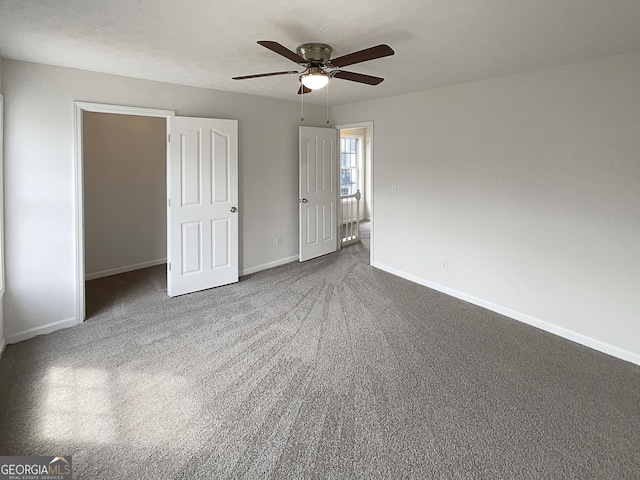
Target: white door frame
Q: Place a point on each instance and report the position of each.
(78, 172)
(369, 126)
(1, 214)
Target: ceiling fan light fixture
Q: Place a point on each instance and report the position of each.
(315, 80)
(319, 67)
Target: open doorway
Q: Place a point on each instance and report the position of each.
(356, 184)
(201, 169)
(125, 196)
(115, 226)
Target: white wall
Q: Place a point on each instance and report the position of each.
(529, 185)
(39, 177)
(125, 192)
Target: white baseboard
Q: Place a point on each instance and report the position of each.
(266, 266)
(43, 330)
(125, 269)
(522, 317)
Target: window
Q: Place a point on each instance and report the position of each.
(349, 148)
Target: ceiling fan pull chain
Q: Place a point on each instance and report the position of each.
(302, 109)
(328, 103)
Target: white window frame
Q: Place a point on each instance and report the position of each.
(359, 160)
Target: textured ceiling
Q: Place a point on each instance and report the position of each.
(206, 42)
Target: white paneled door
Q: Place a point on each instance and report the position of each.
(203, 204)
(319, 191)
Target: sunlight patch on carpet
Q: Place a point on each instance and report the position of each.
(77, 405)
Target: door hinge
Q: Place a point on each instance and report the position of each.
(169, 200)
(169, 266)
(169, 137)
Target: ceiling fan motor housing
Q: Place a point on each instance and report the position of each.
(318, 53)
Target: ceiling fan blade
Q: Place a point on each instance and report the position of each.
(282, 50)
(365, 55)
(244, 77)
(303, 89)
(358, 77)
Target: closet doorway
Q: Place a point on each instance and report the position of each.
(125, 194)
(201, 226)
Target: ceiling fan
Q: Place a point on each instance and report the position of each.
(319, 67)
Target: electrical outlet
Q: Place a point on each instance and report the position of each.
(278, 240)
(445, 263)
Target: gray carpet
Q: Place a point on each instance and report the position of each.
(327, 369)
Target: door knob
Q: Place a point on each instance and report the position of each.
(303, 200)
(234, 209)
